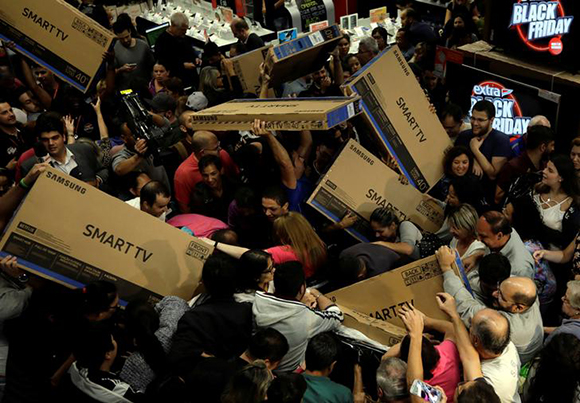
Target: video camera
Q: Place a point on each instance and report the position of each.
(142, 126)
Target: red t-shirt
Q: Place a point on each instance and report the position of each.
(447, 373)
(24, 157)
(285, 253)
(188, 175)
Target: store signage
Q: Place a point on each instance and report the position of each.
(311, 11)
(509, 118)
(541, 24)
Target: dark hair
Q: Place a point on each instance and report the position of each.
(565, 168)
(245, 197)
(219, 276)
(150, 191)
(126, 19)
(174, 84)
(490, 340)
(321, 352)
(210, 49)
(96, 297)
(92, 345)
(479, 391)
(49, 122)
(468, 190)
(162, 63)
(485, 106)
(287, 388)
(142, 321)
(239, 23)
(452, 110)
(453, 153)
(208, 160)
(252, 265)
(538, 135)
(413, 14)
(277, 194)
(347, 270)
(225, 235)
(494, 268)
(131, 180)
(429, 355)
(558, 374)
(345, 36)
(384, 217)
(268, 344)
(382, 32)
(120, 26)
(350, 56)
(289, 279)
(498, 222)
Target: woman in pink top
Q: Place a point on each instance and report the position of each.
(297, 242)
(441, 362)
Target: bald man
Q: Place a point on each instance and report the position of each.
(500, 364)
(188, 175)
(515, 298)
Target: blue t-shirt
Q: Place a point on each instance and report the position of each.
(497, 144)
(298, 195)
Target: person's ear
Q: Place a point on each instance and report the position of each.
(332, 366)
(286, 206)
(133, 192)
(518, 307)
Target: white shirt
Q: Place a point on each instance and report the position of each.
(68, 165)
(502, 373)
(136, 202)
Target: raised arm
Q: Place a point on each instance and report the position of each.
(281, 156)
(469, 356)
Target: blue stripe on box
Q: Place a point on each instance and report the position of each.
(337, 116)
(459, 264)
(335, 218)
(59, 73)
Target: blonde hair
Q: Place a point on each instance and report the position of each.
(293, 230)
(464, 217)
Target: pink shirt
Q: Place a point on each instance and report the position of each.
(202, 226)
(447, 373)
(285, 253)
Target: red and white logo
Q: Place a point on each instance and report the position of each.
(541, 24)
(509, 118)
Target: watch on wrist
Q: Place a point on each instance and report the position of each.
(23, 278)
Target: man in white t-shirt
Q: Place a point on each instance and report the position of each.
(500, 363)
(154, 200)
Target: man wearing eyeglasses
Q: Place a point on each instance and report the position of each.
(516, 298)
(571, 311)
(490, 147)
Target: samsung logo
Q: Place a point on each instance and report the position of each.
(67, 183)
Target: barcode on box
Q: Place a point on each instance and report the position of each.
(89, 32)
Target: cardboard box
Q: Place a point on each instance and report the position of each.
(375, 329)
(72, 233)
(56, 36)
(301, 56)
(358, 182)
(381, 296)
(397, 109)
(293, 114)
(247, 68)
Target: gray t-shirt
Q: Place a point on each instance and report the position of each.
(157, 173)
(141, 55)
(411, 235)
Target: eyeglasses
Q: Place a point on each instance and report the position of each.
(215, 150)
(478, 120)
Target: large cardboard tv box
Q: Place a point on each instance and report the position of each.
(303, 55)
(247, 68)
(379, 298)
(293, 114)
(56, 36)
(397, 110)
(72, 233)
(358, 183)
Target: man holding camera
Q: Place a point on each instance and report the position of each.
(133, 157)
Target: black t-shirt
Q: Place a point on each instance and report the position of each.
(11, 147)
(173, 52)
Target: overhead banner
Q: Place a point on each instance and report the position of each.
(541, 24)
